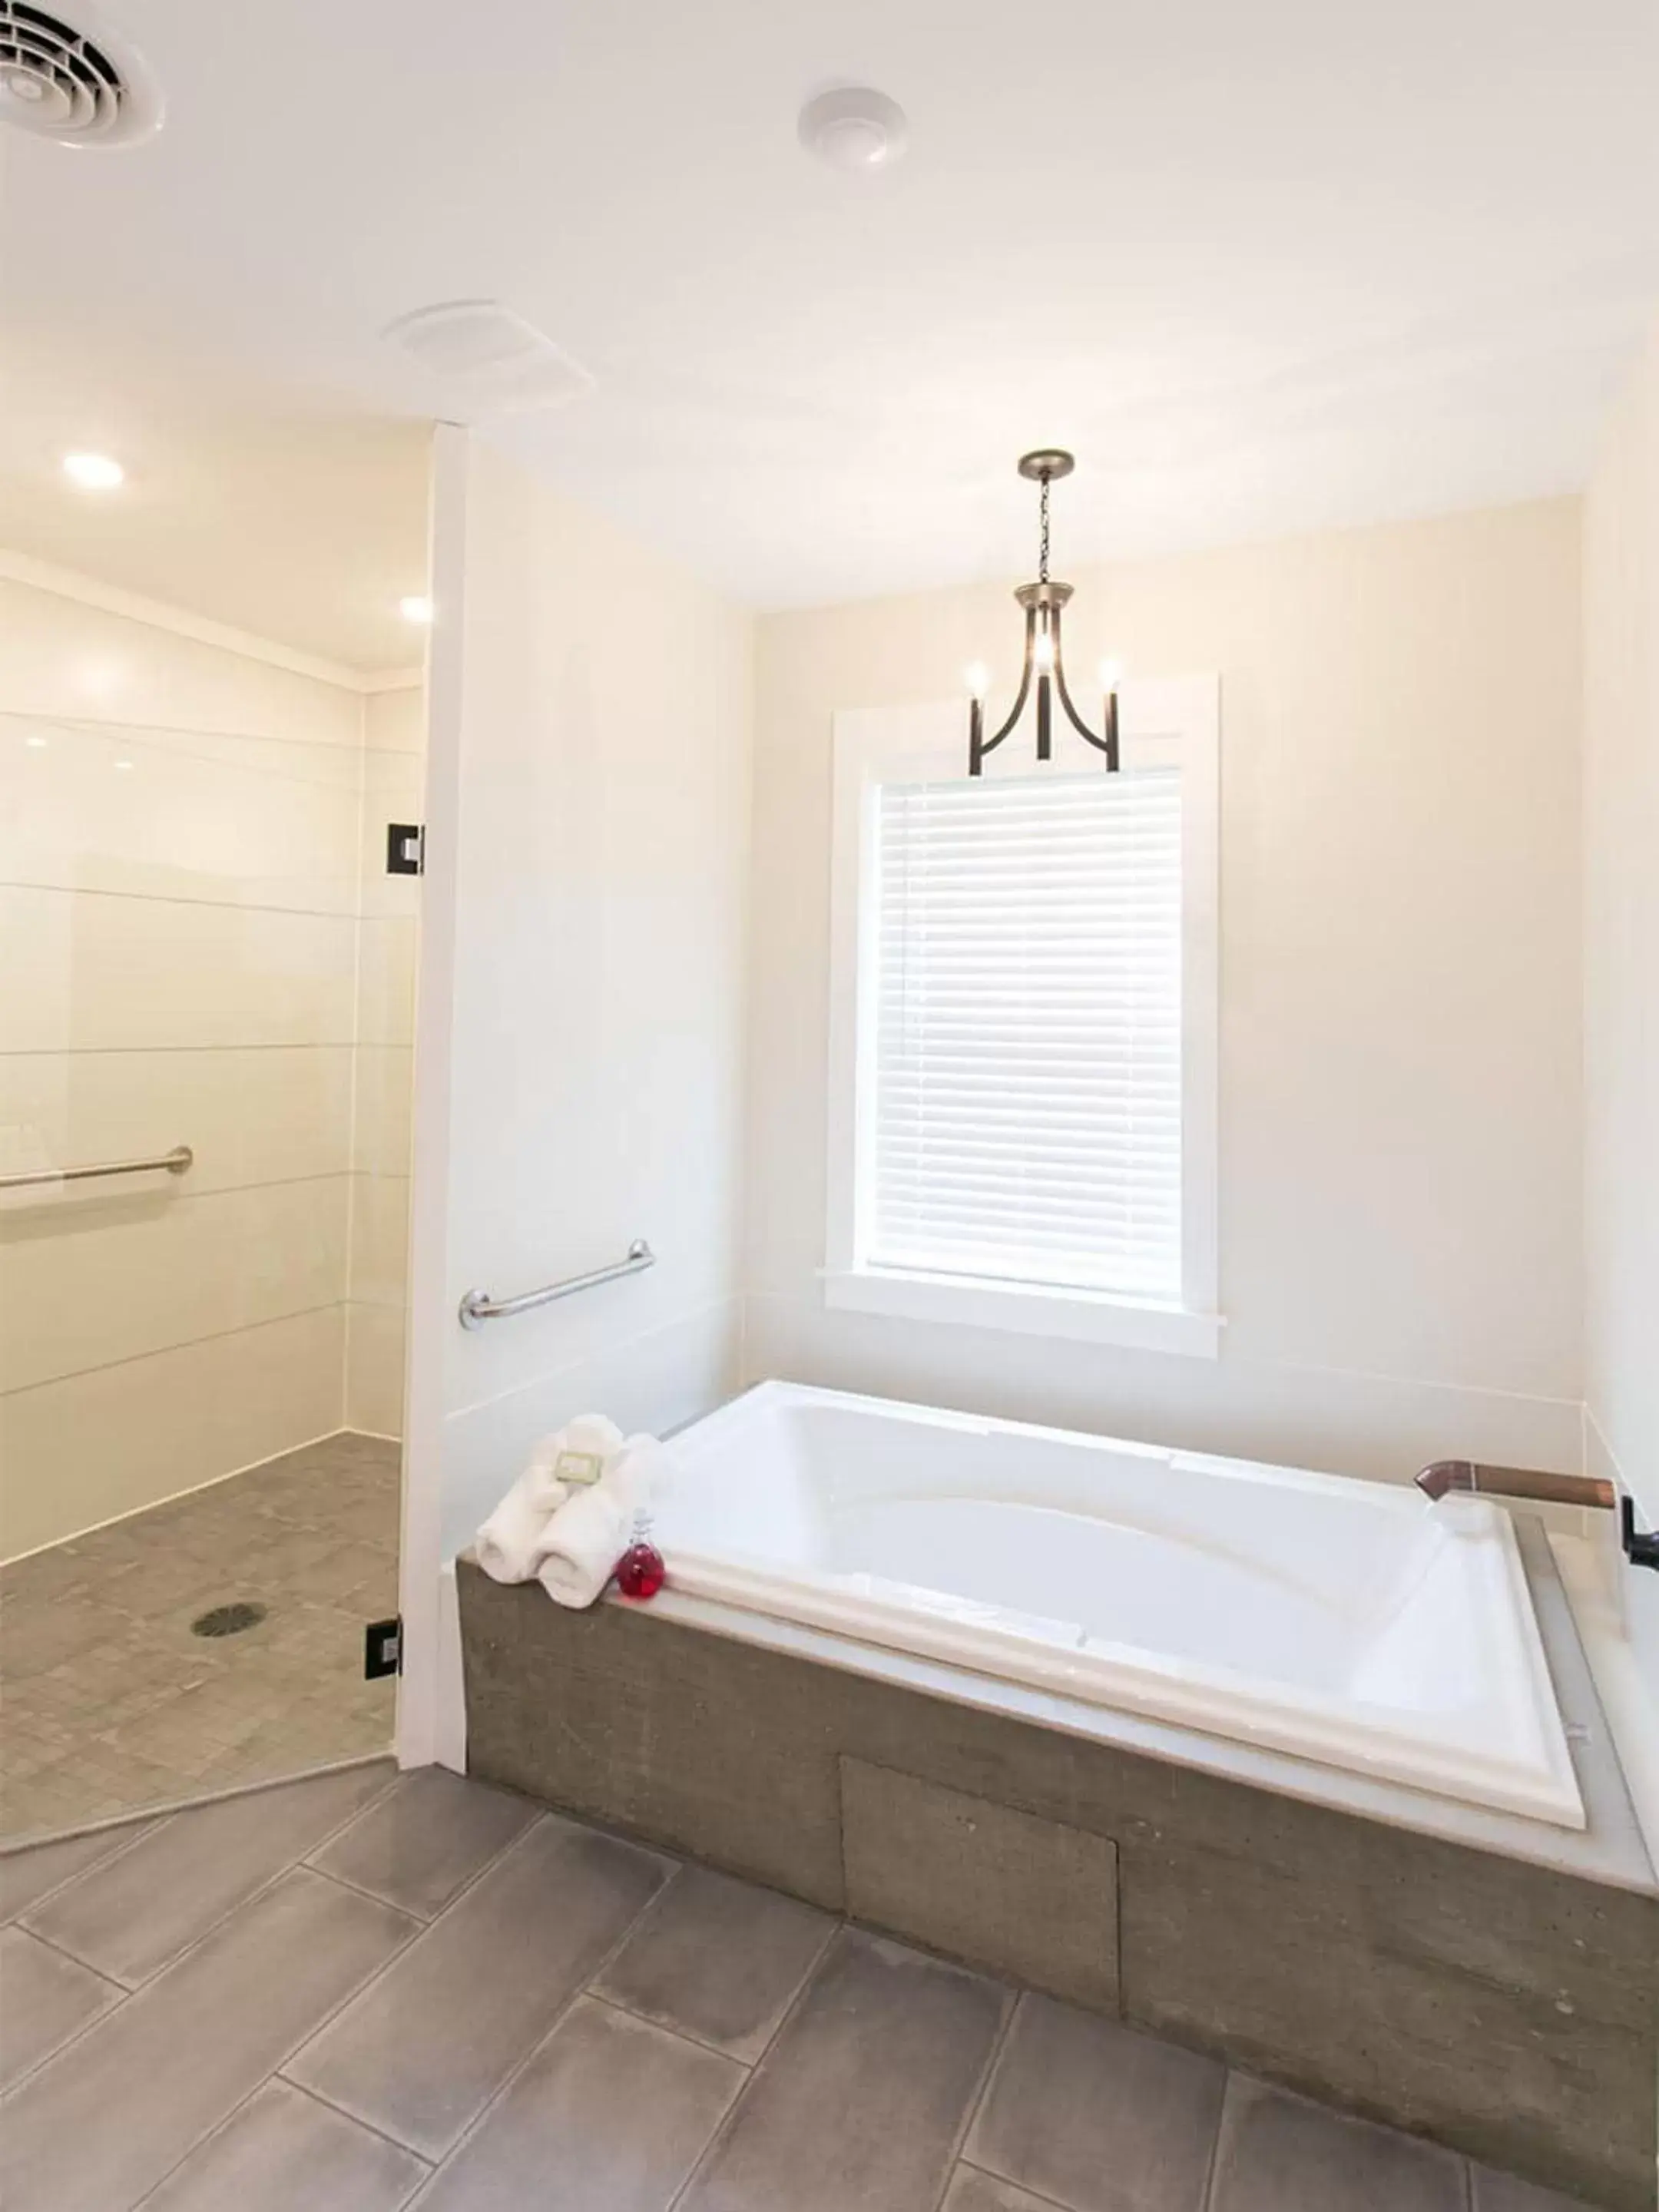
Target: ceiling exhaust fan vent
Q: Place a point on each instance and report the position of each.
(65, 81)
(490, 359)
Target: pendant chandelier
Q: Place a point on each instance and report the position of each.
(1044, 601)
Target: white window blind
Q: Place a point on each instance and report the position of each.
(1023, 1056)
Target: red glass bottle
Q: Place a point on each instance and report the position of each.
(641, 1572)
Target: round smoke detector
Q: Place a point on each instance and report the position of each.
(71, 80)
(854, 128)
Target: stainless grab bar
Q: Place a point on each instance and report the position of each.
(174, 1162)
(477, 1306)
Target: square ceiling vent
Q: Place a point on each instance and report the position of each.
(490, 361)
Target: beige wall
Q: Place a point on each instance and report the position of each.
(582, 977)
(1401, 1216)
(180, 965)
(1621, 963)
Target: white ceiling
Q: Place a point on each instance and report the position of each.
(306, 525)
(1265, 267)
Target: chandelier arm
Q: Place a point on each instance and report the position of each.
(990, 745)
(1107, 744)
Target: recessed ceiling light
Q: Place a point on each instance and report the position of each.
(35, 745)
(854, 128)
(94, 471)
(124, 763)
(416, 609)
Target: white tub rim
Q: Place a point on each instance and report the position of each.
(1178, 1692)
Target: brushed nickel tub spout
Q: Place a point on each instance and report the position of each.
(1528, 1482)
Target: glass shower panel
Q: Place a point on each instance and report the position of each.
(194, 1530)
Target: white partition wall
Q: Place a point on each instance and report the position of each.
(1621, 1018)
(580, 1044)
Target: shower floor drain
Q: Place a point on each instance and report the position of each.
(228, 1619)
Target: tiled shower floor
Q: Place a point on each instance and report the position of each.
(356, 1994)
(109, 1704)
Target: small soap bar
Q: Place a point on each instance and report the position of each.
(582, 1468)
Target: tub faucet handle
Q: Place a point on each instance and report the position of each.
(1532, 1484)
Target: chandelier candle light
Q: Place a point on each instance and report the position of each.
(1044, 601)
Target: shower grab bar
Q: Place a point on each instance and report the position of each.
(477, 1306)
(174, 1162)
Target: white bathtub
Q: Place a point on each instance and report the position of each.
(1344, 1622)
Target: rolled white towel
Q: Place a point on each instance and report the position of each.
(590, 1436)
(592, 1528)
(511, 1545)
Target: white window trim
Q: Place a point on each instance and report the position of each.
(1174, 722)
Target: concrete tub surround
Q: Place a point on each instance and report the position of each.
(1503, 2005)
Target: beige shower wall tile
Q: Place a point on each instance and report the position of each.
(379, 1272)
(385, 1084)
(374, 1370)
(170, 814)
(131, 1275)
(395, 721)
(249, 1117)
(386, 981)
(91, 972)
(65, 658)
(81, 1451)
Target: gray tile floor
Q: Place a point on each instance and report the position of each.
(112, 1705)
(356, 1993)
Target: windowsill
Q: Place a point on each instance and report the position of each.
(1025, 1310)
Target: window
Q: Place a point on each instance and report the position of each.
(1023, 1035)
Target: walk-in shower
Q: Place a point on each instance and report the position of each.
(205, 1043)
